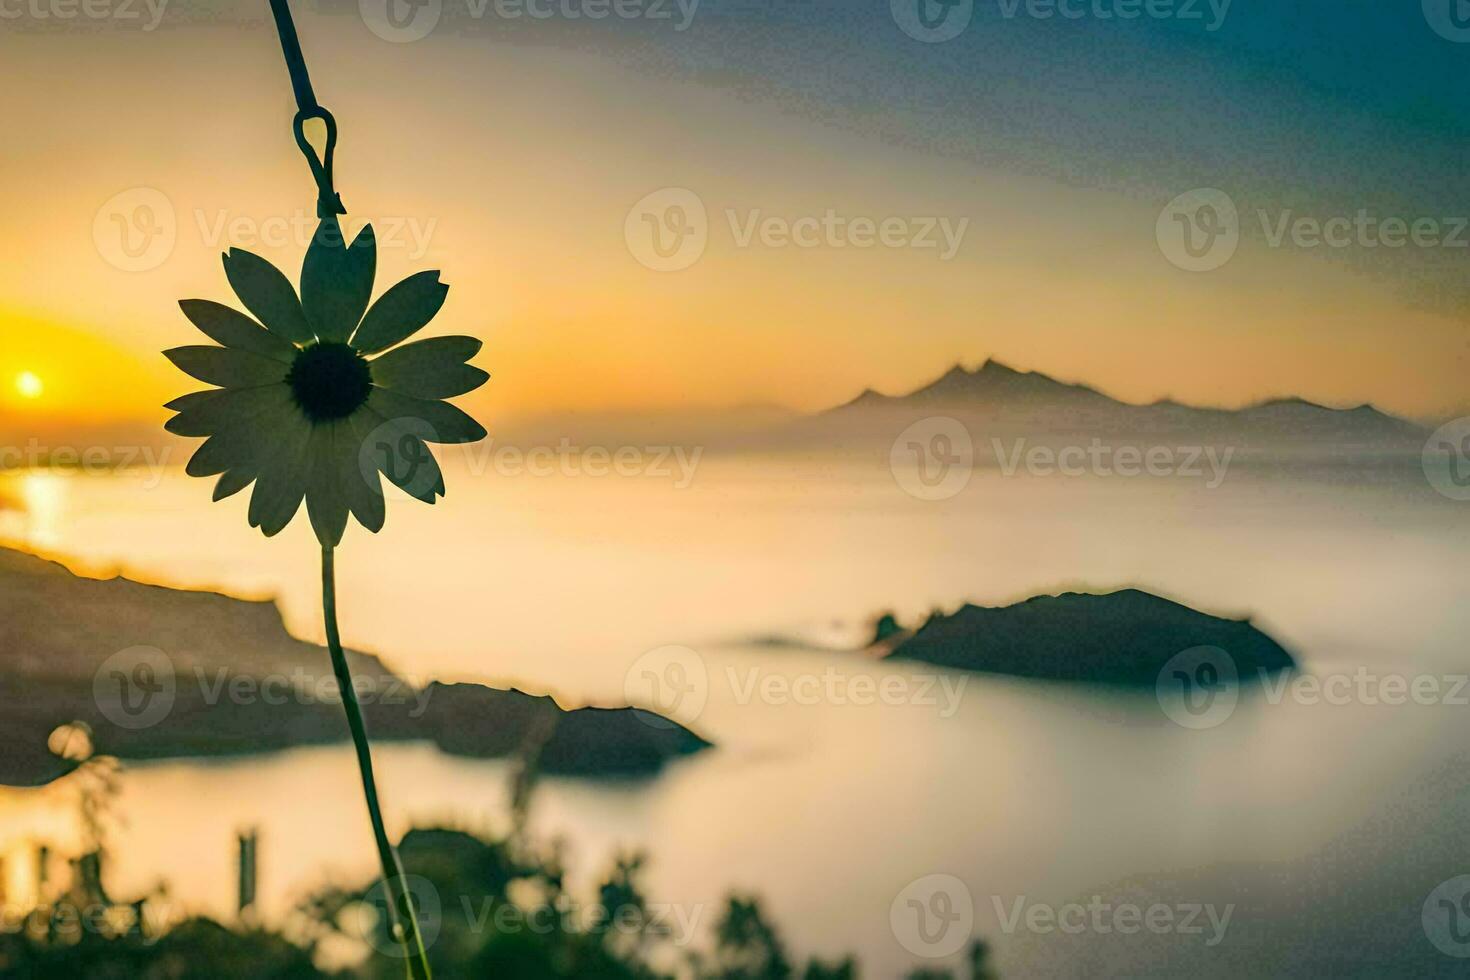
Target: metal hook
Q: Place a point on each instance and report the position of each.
(328, 201)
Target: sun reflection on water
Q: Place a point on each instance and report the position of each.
(32, 504)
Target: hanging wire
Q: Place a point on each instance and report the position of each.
(328, 201)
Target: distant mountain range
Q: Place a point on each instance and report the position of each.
(996, 400)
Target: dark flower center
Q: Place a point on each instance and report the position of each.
(329, 381)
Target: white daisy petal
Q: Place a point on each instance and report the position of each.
(288, 423)
(233, 481)
(270, 482)
(358, 474)
(408, 462)
(281, 482)
(267, 293)
(244, 439)
(325, 503)
(447, 423)
(337, 279)
(231, 328)
(226, 367)
(193, 399)
(400, 312)
(206, 416)
(433, 368)
(283, 506)
(230, 447)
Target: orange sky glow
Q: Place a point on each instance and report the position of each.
(521, 201)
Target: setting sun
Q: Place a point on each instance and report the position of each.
(29, 384)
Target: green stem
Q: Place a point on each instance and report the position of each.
(397, 889)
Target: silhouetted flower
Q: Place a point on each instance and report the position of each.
(308, 395)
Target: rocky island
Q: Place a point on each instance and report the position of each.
(1122, 638)
(158, 673)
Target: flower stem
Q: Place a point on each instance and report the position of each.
(401, 912)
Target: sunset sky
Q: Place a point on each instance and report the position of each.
(509, 151)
